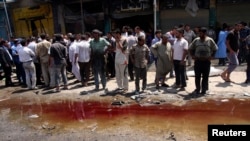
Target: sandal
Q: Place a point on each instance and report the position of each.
(223, 77)
(227, 80)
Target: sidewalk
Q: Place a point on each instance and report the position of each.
(218, 89)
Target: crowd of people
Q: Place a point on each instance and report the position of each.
(125, 53)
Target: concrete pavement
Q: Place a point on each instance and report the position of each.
(217, 89)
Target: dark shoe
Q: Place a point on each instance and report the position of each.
(49, 88)
(164, 85)
(76, 81)
(157, 87)
(85, 84)
(137, 92)
(24, 86)
(65, 88)
(9, 85)
(177, 86)
(96, 89)
(247, 81)
(172, 76)
(181, 89)
(203, 92)
(196, 92)
(39, 83)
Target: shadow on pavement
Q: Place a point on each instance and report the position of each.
(191, 96)
(20, 91)
(50, 92)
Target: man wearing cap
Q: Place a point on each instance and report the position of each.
(202, 50)
(98, 46)
(163, 51)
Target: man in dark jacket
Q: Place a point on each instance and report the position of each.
(6, 62)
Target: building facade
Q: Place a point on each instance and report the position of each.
(31, 17)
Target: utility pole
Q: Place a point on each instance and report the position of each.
(82, 23)
(7, 17)
(155, 6)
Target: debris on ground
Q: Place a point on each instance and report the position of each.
(48, 127)
(33, 116)
(118, 103)
(171, 137)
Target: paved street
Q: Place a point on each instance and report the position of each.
(80, 113)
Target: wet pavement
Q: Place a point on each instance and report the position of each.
(82, 114)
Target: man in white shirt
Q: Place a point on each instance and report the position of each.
(180, 51)
(82, 54)
(125, 31)
(72, 50)
(132, 40)
(121, 62)
(139, 32)
(33, 45)
(26, 57)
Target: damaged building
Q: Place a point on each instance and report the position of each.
(32, 17)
